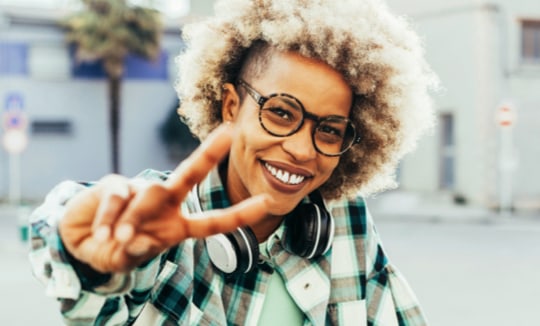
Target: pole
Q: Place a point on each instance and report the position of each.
(506, 167)
(14, 179)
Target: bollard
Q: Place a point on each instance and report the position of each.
(23, 215)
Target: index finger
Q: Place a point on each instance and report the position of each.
(193, 169)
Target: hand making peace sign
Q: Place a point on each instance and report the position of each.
(116, 225)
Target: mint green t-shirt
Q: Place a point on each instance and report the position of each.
(278, 308)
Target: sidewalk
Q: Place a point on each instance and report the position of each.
(409, 206)
(23, 297)
(12, 222)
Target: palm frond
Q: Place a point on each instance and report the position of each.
(111, 29)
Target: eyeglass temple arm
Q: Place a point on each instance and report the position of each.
(256, 96)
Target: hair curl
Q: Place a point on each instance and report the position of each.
(377, 52)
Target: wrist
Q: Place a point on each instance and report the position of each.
(89, 277)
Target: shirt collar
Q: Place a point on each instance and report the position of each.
(211, 192)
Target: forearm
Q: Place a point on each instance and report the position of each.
(82, 291)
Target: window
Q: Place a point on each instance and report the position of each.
(51, 127)
(13, 59)
(447, 152)
(530, 41)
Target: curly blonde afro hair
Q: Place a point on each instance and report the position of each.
(377, 52)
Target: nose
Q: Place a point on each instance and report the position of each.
(300, 144)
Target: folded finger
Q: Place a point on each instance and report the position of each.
(149, 204)
(114, 198)
(142, 245)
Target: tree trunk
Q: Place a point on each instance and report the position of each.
(114, 116)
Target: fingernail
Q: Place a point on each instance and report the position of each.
(102, 233)
(124, 233)
(119, 189)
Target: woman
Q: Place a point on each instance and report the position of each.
(304, 107)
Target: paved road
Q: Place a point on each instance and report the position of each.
(470, 274)
(22, 302)
(465, 273)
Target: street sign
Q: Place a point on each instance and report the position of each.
(14, 123)
(506, 116)
(15, 141)
(13, 102)
(14, 120)
(13, 116)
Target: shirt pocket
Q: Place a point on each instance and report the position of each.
(348, 313)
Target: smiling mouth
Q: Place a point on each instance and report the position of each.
(284, 176)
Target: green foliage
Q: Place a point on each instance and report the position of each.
(110, 29)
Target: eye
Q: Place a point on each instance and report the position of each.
(280, 112)
(329, 130)
(330, 133)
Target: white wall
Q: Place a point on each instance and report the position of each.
(51, 93)
(474, 47)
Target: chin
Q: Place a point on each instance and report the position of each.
(280, 208)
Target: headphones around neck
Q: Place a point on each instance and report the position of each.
(308, 233)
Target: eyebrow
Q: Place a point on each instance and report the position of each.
(291, 100)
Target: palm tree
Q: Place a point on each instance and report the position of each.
(109, 30)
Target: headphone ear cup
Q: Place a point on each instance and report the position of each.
(308, 231)
(235, 252)
(327, 232)
(247, 249)
(298, 231)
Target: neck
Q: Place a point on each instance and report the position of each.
(264, 227)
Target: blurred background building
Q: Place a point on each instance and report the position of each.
(64, 101)
(484, 151)
(487, 55)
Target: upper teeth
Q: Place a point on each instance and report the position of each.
(284, 176)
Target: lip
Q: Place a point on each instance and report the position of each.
(280, 186)
(289, 168)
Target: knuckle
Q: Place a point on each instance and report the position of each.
(210, 157)
(111, 178)
(155, 189)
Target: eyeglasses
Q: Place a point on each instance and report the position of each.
(282, 115)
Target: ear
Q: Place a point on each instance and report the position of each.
(230, 103)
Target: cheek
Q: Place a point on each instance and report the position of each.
(247, 143)
(328, 167)
(249, 136)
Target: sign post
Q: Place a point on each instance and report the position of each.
(506, 118)
(14, 140)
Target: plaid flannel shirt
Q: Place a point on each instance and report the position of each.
(352, 284)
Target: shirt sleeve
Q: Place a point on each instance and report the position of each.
(389, 299)
(114, 300)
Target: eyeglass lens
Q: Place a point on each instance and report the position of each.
(282, 115)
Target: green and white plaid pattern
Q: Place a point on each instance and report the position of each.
(352, 284)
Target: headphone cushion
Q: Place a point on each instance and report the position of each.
(307, 230)
(247, 249)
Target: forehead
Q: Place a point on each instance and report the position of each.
(321, 89)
